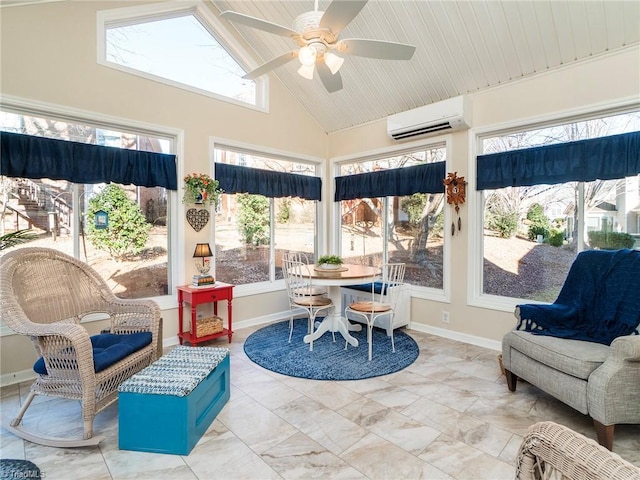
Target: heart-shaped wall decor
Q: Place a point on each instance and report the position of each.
(197, 218)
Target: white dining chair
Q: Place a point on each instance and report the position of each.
(384, 299)
(303, 294)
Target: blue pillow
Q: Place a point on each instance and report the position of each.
(108, 349)
(366, 287)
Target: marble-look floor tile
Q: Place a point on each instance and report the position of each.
(328, 428)
(220, 454)
(462, 461)
(255, 424)
(268, 391)
(299, 457)
(379, 458)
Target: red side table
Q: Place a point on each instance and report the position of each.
(196, 296)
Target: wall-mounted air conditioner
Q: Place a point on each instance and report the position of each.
(441, 117)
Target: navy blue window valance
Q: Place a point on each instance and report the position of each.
(605, 158)
(236, 179)
(425, 178)
(27, 156)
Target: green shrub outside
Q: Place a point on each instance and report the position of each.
(504, 223)
(127, 231)
(610, 240)
(538, 222)
(253, 219)
(556, 238)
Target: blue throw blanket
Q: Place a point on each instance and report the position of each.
(599, 301)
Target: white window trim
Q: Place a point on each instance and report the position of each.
(158, 11)
(85, 117)
(475, 235)
(427, 293)
(257, 150)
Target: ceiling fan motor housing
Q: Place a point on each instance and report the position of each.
(308, 26)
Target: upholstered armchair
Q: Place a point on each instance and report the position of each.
(45, 295)
(584, 349)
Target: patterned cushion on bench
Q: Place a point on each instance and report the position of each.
(108, 349)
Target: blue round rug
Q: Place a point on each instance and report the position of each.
(269, 347)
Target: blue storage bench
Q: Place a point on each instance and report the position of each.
(168, 406)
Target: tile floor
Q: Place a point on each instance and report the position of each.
(448, 415)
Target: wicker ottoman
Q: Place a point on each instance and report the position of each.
(168, 406)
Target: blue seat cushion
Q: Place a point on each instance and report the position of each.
(108, 349)
(366, 287)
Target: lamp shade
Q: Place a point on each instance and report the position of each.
(333, 61)
(306, 71)
(202, 250)
(307, 55)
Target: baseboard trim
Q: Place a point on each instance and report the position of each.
(7, 379)
(460, 337)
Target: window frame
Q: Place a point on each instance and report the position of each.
(178, 8)
(427, 293)
(273, 285)
(475, 235)
(175, 240)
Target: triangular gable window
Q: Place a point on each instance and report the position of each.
(175, 47)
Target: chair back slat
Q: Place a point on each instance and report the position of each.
(49, 286)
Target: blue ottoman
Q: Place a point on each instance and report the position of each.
(168, 406)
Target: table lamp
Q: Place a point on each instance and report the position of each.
(203, 250)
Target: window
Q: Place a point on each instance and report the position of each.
(57, 210)
(183, 47)
(533, 232)
(396, 228)
(253, 231)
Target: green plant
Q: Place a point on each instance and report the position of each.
(503, 222)
(284, 212)
(12, 239)
(330, 259)
(253, 219)
(127, 231)
(556, 238)
(201, 188)
(535, 230)
(610, 240)
(538, 221)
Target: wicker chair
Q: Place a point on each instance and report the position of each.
(552, 451)
(45, 294)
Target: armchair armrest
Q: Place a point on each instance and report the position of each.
(613, 390)
(627, 348)
(66, 350)
(131, 316)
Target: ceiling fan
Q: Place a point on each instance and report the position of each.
(317, 35)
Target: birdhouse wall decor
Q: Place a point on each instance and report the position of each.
(456, 191)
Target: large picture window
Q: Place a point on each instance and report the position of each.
(405, 228)
(130, 252)
(554, 206)
(263, 214)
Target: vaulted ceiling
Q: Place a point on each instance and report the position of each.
(462, 47)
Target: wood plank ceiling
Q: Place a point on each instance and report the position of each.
(462, 47)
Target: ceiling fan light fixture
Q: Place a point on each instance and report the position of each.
(306, 71)
(307, 55)
(333, 61)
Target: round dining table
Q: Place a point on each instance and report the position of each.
(333, 279)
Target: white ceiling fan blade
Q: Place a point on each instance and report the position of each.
(271, 64)
(258, 23)
(362, 47)
(339, 13)
(332, 82)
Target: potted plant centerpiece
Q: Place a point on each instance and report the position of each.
(201, 189)
(330, 262)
